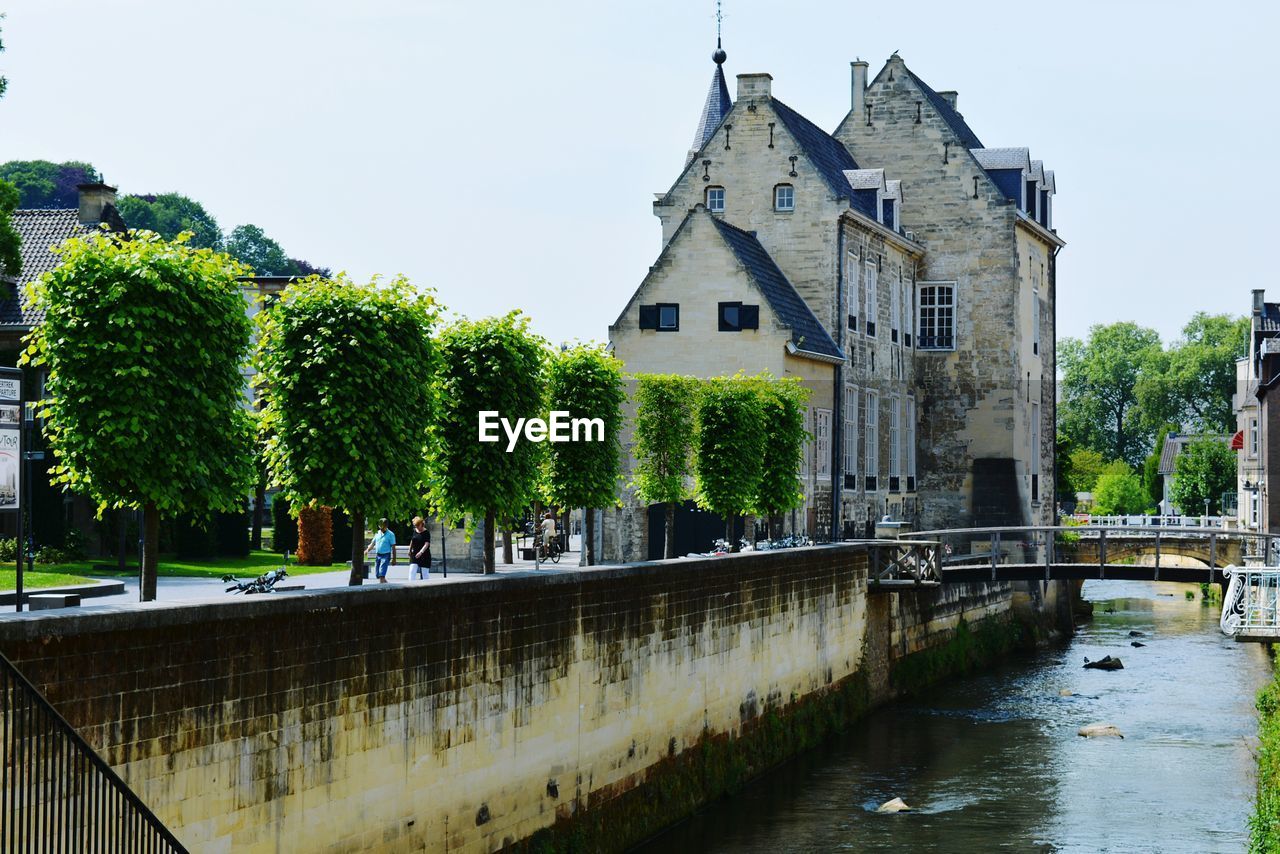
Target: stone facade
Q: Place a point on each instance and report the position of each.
(1258, 420)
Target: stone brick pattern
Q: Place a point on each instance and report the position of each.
(461, 717)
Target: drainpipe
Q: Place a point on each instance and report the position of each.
(837, 393)
(1052, 400)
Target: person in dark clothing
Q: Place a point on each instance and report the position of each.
(420, 550)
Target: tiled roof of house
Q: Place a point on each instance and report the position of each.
(825, 152)
(1003, 158)
(1174, 444)
(40, 230)
(806, 332)
(713, 112)
(954, 120)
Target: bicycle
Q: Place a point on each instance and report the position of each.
(551, 550)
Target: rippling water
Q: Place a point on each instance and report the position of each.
(993, 762)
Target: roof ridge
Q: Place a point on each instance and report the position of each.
(949, 113)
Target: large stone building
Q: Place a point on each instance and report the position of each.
(901, 271)
(1257, 408)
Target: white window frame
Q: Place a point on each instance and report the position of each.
(777, 197)
(852, 291)
(952, 290)
(851, 431)
(911, 437)
(872, 432)
(822, 442)
(873, 298)
(1253, 437)
(807, 456)
(895, 307)
(1253, 508)
(707, 198)
(895, 439)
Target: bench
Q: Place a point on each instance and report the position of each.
(46, 601)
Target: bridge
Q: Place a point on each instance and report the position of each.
(1077, 552)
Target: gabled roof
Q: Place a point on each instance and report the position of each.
(825, 152)
(1003, 158)
(40, 230)
(893, 190)
(806, 332)
(866, 179)
(713, 112)
(1050, 184)
(1176, 443)
(1037, 172)
(954, 120)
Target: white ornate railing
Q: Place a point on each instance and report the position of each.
(1251, 606)
(1225, 522)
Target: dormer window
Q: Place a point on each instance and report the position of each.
(888, 216)
(715, 199)
(1033, 199)
(784, 197)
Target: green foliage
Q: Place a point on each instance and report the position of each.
(1084, 465)
(1192, 382)
(346, 372)
(250, 245)
(494, 364)
(143, 340)
(4, 82)
(170, 214)
(782, 405)
(586, 382)
(1152, 480)
(1119, 493)
(10, 241)
(42, 184)
(729, 442)
(663, 436)
(1100, 407)
(1206, 468)
(1264, 824)
(8, 549)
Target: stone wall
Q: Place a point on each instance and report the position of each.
(596, 706)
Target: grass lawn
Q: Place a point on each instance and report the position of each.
(32, 580)
(170, 567)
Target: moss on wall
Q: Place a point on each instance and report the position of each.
(968, 649)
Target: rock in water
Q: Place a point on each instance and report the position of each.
(895, 805)
(1107, 663)
(1064, 693)
(1136, 634)
(1136, 643)
(1099, 731)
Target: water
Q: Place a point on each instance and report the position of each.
(993, 762)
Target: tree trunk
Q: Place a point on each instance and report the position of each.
(670, 550)
(150, 551)
(508, 553)
(357, 550)
(489, 568)
(122, 519)
(728, 534)
(255, 532)
(589, 533)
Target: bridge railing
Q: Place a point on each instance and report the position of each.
(56, 793)
(915, 561)
(1221, 522)
(1251, 606)
(1060, 544)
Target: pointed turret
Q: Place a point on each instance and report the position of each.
(717, 106)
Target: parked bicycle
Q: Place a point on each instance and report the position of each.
(264, 583)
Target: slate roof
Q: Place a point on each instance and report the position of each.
(893, 190)
(806, 332)
(1174, 444)
(954, 120)
(713, 112)
(866, 179)
(1003, 158)
(825, 152)
(1050, 184)
(40, 230)
(1037, 172)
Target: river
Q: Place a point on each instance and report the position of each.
(993, 762)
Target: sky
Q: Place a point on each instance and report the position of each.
(506, 153)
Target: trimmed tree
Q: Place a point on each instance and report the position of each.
(729, 445)
(1119, 492)
(586, 382)
(143, 340)
(664, 443)
(346, 373)
(782, 405)
(1205, 469)
(490, 365)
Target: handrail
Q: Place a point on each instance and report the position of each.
(1110, 529)
(56, 793)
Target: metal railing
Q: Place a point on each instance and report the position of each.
(56, 793)
(1222, 522)
(915, 561)
(1251, 606)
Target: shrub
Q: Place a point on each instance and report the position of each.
(315, 536)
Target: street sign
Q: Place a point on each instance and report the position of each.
(10, 438)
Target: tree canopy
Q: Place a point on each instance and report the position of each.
(494, 364)
(663, 448)
(1191, 383)
(10, 240)
(729, 442)
(170, 214)
(144, 340)
(1100, 408)
(42, 184)
(1119, 492)
(346, 371)
(250, 245)
(1206, 468)
(782, 405)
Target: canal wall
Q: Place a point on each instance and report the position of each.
(581, 710)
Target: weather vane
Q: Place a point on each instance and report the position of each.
(719, 18)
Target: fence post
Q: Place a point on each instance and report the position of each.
(995, 547)
(1049, 536)
(1102, 553)
(1158, 558)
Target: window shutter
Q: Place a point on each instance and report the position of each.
(749, 317)
(648, 317)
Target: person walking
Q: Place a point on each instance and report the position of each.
(383, 546)
(420, 550)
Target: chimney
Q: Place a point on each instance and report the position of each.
(94, 198)
(754, 86)
(950, 97)
(858, 86)
(1257, 302)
